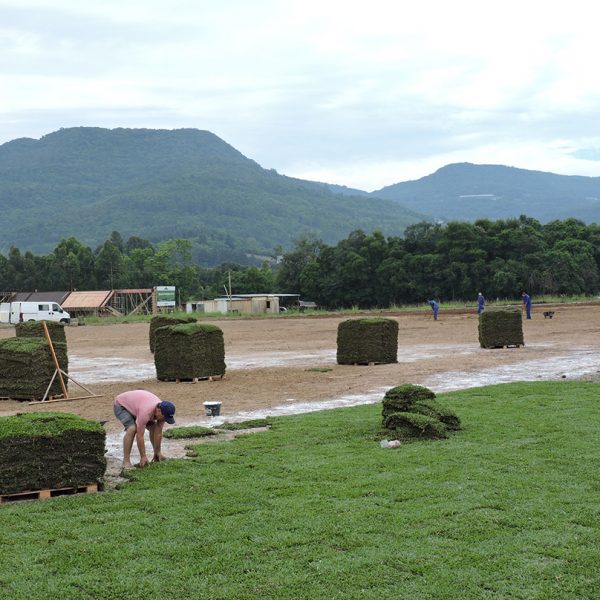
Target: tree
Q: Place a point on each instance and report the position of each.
(289, 273)
(109, 266)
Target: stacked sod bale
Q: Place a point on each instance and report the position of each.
(36, 329)
(369, 340)
(189, 351)
(164, 321)
(50, 451)
(411, 411)
(26, 368)
(500, 327)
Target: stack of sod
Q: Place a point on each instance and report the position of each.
(26, 368)
(164, 321)
(36, 329)
(500, 327)
(50, 451)
(369, 340)
(189, 351)
(411, 411)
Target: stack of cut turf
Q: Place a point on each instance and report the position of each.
(411, 411)
(50, 451)
(369, 340)
(189, 351)
(500, 327)
(36, 329)
(26, 368)
(164, 321)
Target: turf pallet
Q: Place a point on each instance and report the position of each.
(366, 341)
(501, 328)
(36, 329)
(50, 451)
(411, 411)
(164, 321)
(189, 351)
(26, 368)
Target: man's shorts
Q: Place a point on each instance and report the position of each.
(124, 416)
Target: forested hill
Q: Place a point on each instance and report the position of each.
(467, 192)
(162, 184)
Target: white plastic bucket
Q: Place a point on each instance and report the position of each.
(212, 409)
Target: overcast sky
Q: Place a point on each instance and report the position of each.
(363, 94)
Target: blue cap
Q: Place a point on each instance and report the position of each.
(168, 410)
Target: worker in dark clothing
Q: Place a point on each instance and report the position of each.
(480, 303)
(527, 304)
(434, 307)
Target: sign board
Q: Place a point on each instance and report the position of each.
(165, 295)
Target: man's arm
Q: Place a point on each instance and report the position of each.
(141, 444)
(156, 440)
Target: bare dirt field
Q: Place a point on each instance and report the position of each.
(269, 362)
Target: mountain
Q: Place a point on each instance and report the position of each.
(466, 192)
(161, 184)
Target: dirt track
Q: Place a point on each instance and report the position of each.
(267, 362)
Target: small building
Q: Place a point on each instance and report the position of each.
(80, 304)
(240, 303)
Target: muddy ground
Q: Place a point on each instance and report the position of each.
(269, 362)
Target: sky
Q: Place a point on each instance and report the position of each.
(361, 94)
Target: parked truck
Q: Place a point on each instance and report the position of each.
(18, 312)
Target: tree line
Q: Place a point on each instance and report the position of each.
(450, 261)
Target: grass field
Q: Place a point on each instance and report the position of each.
(509, 507)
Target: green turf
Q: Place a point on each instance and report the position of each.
(314, 508)
(190, 431)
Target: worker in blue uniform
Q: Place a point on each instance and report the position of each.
(434, 307)
(527, 304)
(480, 303)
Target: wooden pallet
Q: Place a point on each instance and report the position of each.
(48, 493)
(196, 379)
(501, 347)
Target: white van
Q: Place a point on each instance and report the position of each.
(17, 312)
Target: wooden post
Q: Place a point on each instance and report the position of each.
(58, 369)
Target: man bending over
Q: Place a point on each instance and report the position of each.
(139, 410)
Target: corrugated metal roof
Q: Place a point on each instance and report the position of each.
(57, 297)
(86, 299)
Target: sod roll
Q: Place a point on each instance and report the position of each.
(189, 351)
(164, 321)
(403, 397)
(411, 411)
(26, 368)
(50, 451)
(36, 329)
(500, 327)
(369, 340)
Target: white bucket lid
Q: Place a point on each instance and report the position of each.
(215, 403)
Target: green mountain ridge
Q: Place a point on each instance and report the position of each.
(466, 192)
(160, 184)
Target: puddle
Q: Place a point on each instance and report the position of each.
(105, 370)
(114, 369)
(573, 365)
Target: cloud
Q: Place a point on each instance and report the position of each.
(362, 94)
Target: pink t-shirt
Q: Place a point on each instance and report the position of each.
(140, 404)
